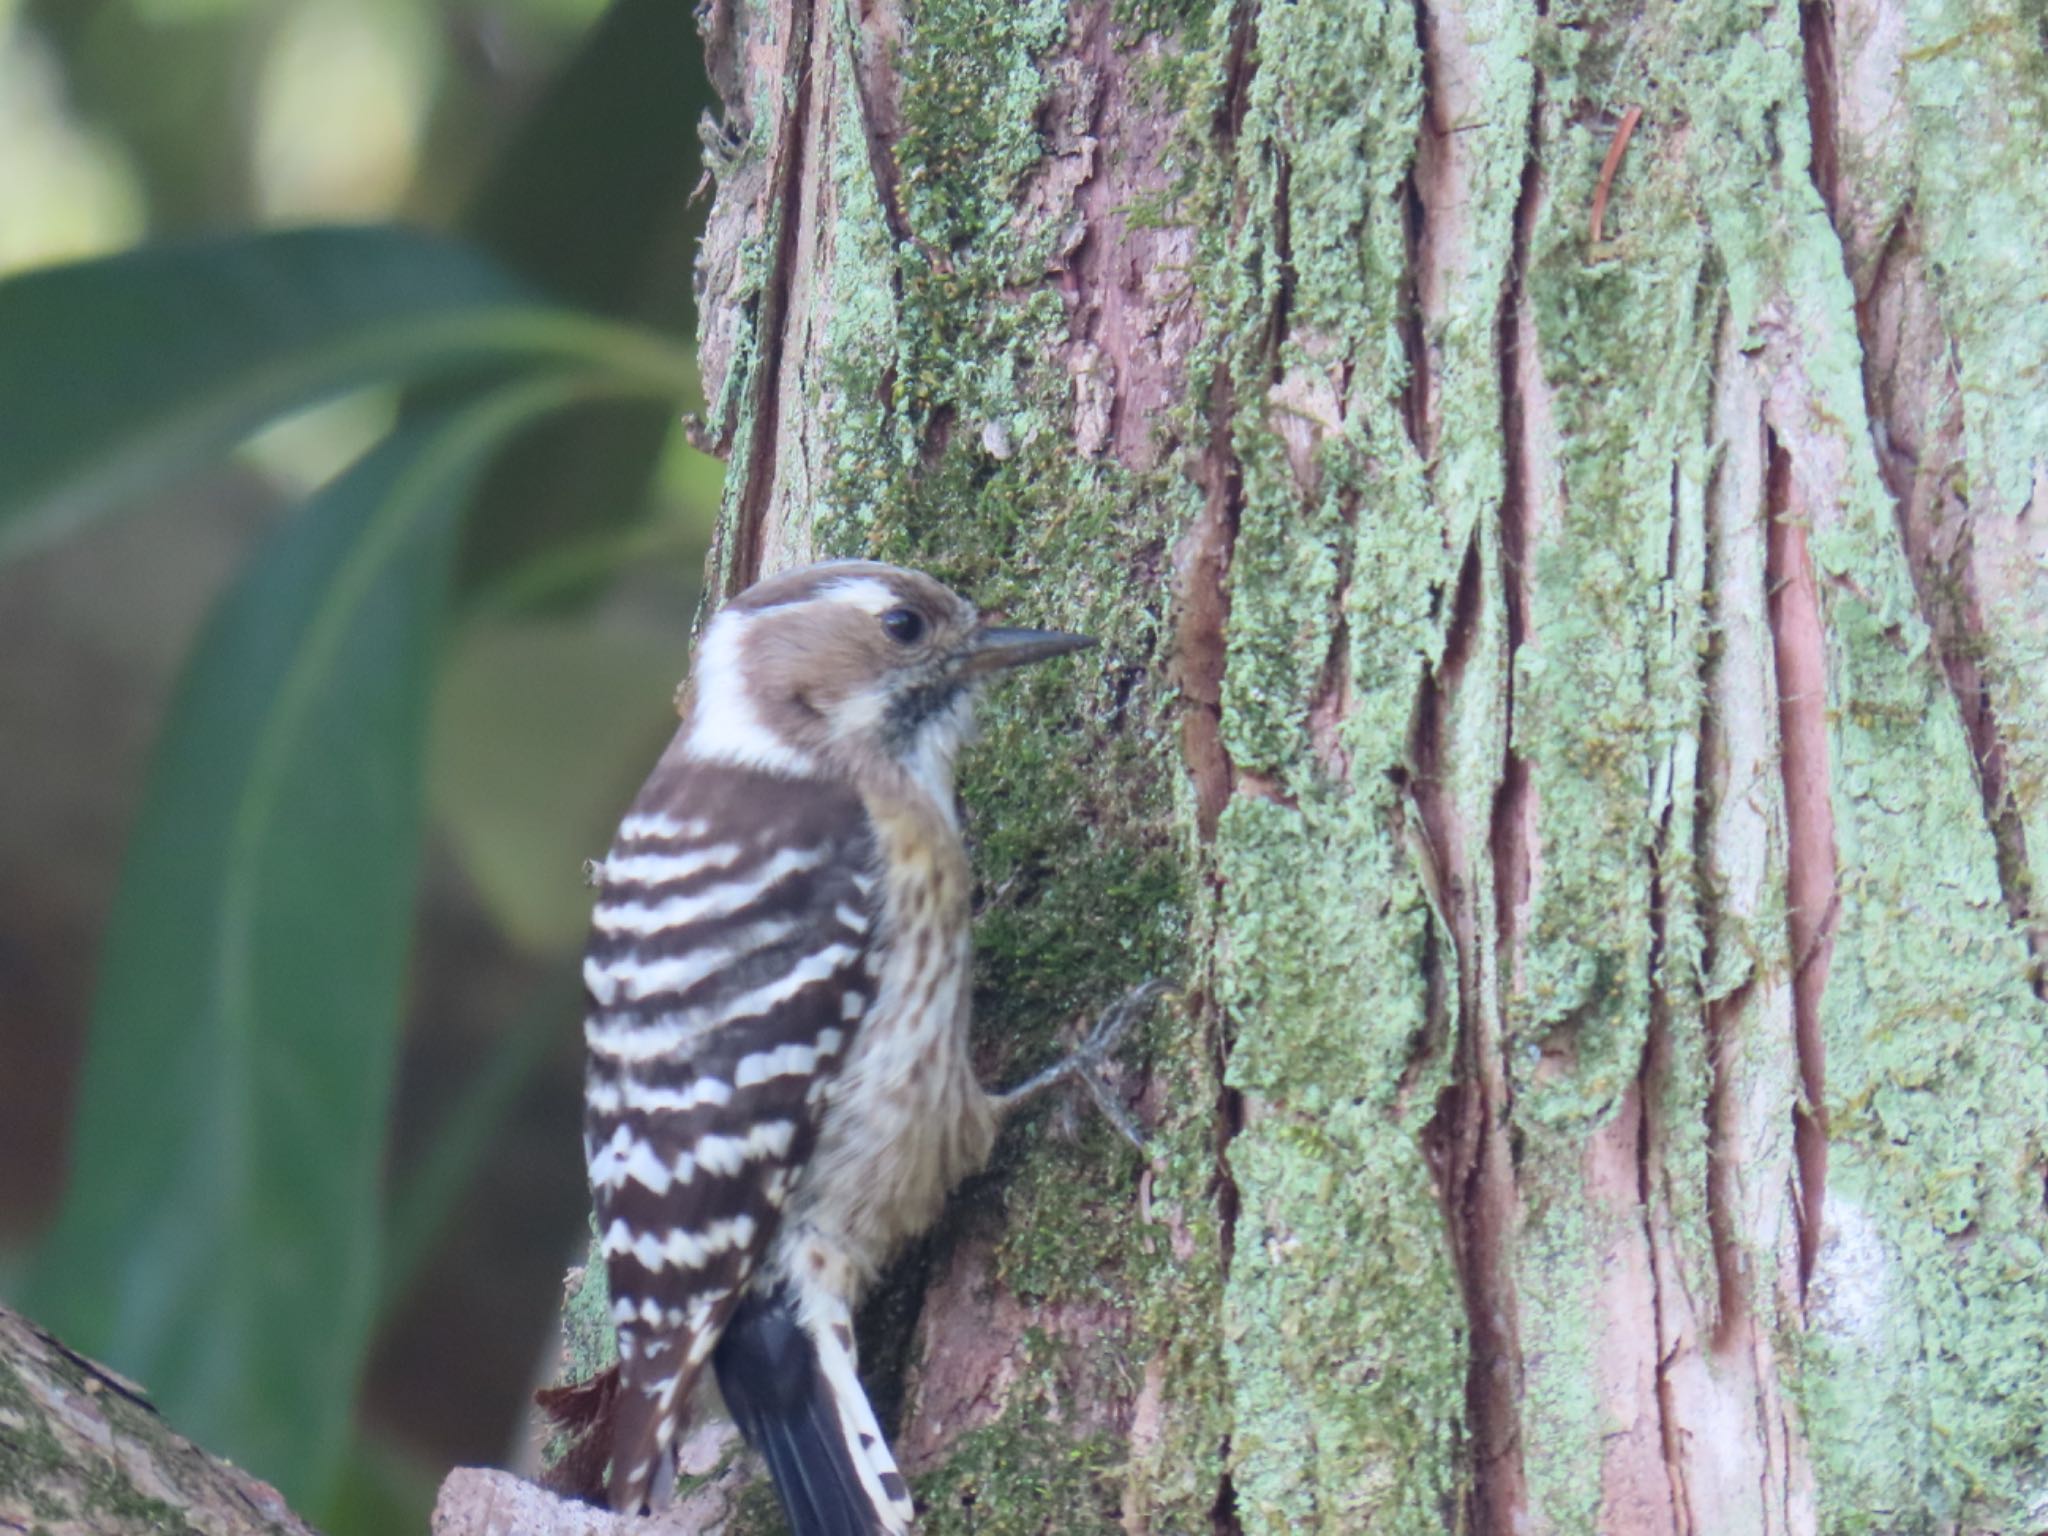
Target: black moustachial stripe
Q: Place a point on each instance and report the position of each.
(725, 978)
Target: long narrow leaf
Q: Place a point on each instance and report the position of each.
(116, 372)
(233, 1109)
(219, 1239)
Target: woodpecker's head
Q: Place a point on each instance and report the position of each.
(846, 666)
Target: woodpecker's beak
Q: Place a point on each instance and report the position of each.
(998, 650)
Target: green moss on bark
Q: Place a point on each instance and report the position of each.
(1023, 1479)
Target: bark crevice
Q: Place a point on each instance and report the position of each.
(1240, 64)
(875, 87)
(1494, 1382)
(1722, 1018)
(1202, 603)
(1651, 1083)
(1721, 1015)
(757, 489)
(1823, 113)
(1799, 649)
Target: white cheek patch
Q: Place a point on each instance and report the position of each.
(724, 725)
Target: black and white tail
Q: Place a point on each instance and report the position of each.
(795, 1395)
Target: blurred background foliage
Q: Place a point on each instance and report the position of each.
(348, 547)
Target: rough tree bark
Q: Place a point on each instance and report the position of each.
(1565, 495)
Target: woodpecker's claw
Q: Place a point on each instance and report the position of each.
(1113, 1108)
(1093, 1054)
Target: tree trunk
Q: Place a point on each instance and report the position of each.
(1565, 498)
(82, 1453)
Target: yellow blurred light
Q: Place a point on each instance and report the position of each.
(68, 191)
(340, 109)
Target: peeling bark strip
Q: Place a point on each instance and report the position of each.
(1580, 728)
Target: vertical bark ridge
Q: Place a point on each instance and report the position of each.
(1673, 1068)
(1731, 1373)
(1914, 396)
(1501, 1480)
(1467, 197)
(1468, 1137)
(1928, 980)
(1913, 399)
(1342, 581)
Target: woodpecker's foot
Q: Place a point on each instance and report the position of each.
(1086, 1063)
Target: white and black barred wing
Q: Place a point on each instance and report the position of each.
(725, 975)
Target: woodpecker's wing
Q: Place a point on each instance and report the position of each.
(726, 974)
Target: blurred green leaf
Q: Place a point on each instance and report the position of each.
(219, 1238)
(541, 734)
(216, 1237)
(590, 203)
(114, 373)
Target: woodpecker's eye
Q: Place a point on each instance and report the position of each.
(905, 625)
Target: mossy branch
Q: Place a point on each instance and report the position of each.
(83, 1450)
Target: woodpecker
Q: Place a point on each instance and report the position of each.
(779, 1087)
